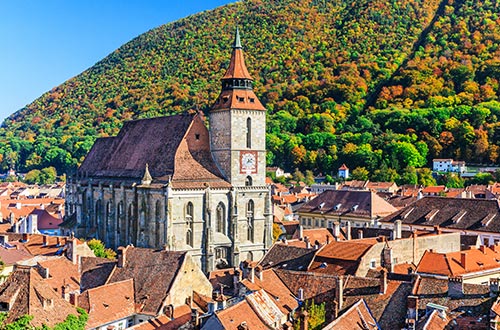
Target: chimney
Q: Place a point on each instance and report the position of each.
(383, 281)
(396, 234)
(72, 249)
(73, 298)
(26, 237)
(59, 241)
(494, 287)
(482, 248)
(348, 231)
(259, 272)
(412, 304)
(236, 281)
(437, 230)
(340, 292)
(251, 274)
(335, 313)
(455, 287)
(300, 294)
(336, 231)
(308, 243)
(360, 234)
(327, 239)
(195, 318)
(301, 232)
(45, 240)
(122, 251)
(463, 260)
(304, 319)
(64, 292)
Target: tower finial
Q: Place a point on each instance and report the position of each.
(237, 41)
(146, 179)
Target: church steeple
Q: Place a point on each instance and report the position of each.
(237, 75)
(237, 83)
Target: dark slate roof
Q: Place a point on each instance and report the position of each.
(320, 287)
(457, 213)
(153, 272)
(95, 272)
(284, 256)
(152, 141)
(362, 204)
(164, 144)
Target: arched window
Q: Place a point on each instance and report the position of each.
(248, 181)
(250, 220)
(221, 218)
(189, 224)
(249, 132)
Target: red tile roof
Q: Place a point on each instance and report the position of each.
(358, 316)
(108, 303)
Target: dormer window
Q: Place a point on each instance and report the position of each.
(225, 99)
(197, 136)
(252, 100)
(241, 99)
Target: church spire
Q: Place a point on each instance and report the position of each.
(237, 74)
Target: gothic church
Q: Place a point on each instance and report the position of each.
(169, 182)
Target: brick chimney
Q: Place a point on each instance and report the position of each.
(463, 260)
(383, 281)
(122, 256)
(455, 287)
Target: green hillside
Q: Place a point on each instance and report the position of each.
(385, 85)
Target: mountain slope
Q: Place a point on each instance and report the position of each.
(319, 67)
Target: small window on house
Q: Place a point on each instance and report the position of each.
(252, 100)
(373, 263)
(197, 136)
(225, 99)
(241, 99)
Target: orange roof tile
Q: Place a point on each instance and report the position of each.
(433, 189)
(62, 272)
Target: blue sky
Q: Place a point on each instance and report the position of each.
(45, 42)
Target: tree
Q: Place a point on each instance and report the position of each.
(425, 177)
(317, 315)
(360, 173)
(452, 180)
(100, 250)
(409, 176)
(276, 231)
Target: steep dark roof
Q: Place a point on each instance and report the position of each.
(284, 256)
(175, 148)
(152, 141)
(153, 272)
(362, 204)
(95, 271)
(457, 213)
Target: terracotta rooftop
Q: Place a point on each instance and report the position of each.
(153, 272)
(95, 271)
(62, 272)
(108, 303)
(315, 235)
(433, 189)
(358, 316)
(25, 292)
(452, 263)
(457, 213)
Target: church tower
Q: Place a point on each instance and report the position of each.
(238, 125)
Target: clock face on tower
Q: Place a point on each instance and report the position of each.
(248, 162)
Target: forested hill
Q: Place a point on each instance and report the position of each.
(371, 83)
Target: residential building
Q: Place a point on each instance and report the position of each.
(343, 172)
(347, 207)
(448, 165)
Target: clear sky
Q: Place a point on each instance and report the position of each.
(45, 42)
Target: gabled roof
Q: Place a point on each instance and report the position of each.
(358, 316)
(457, 213)
(277, 290)
(153, 272)
(95, 271)
(451, 264)
(360, 204)
(321, 287)
(108, 303)
(26, 293)
(62, 272)
(163, 143)
(284, 256)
